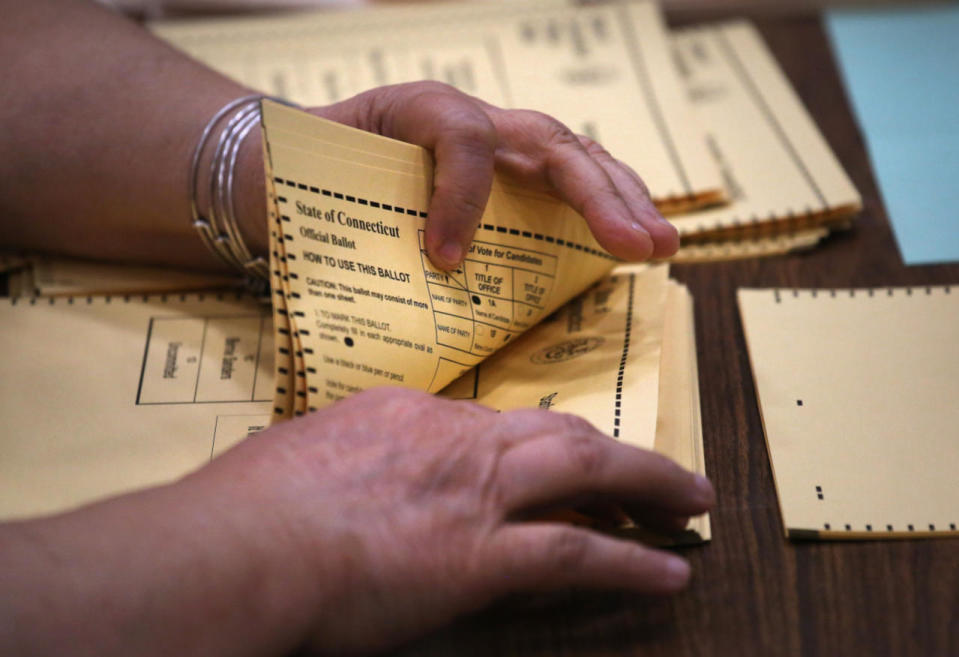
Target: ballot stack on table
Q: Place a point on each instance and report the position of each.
(704, 114)
(538, 315)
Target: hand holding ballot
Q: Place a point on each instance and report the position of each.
(470, 138)
(133, 199)
(345, 531)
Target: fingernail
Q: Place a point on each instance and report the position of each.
(643, 246)
(676, 573)
(451, 253)
(704, 489)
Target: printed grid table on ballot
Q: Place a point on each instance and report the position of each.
(191, 360)
(498, 292)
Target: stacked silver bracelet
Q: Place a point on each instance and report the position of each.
(218, 225)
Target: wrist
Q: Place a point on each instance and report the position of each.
(249, 576)
(227, 187)
(303, 545)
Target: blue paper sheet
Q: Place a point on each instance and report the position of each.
(901, 68)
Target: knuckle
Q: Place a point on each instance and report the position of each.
(568, 549)
(601, 155)
(586, 455)
(547, 131)
(594, 148)
(434, 87)
(514, 426)
(529, 117)
(465, 205)
(574, 424)
(427, 92)
(456, 115)
(600, 199)
(473, 130)
(549, 123)
(559, 135)
(523, 423)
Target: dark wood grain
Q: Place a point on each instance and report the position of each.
(755, 593)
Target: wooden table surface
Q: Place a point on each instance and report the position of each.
(754, 592)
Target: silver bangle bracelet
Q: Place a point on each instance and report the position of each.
(218, 227)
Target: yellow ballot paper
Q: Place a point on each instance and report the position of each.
(582, 358)
(357, 303)
(138, 392)
(857, 390)
(779, 172)
(103, 395)
(364, 301)
(604, 70)
(622, 355)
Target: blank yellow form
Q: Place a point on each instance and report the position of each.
(857, 390)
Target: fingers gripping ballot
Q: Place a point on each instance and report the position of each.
(543, 152)
(463, 141)
(631, 187)
(470, 139)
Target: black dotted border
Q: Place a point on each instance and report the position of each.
(549, 239)
(132, 298)
(780, 294)
(890, 528)
(627, 332)
(347, 197)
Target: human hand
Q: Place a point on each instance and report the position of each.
(393, 511)
(470, 138)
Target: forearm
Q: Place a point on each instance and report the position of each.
(101, 120)
(170, 571)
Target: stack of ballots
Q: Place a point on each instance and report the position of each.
(537, 315)
(705, 114)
